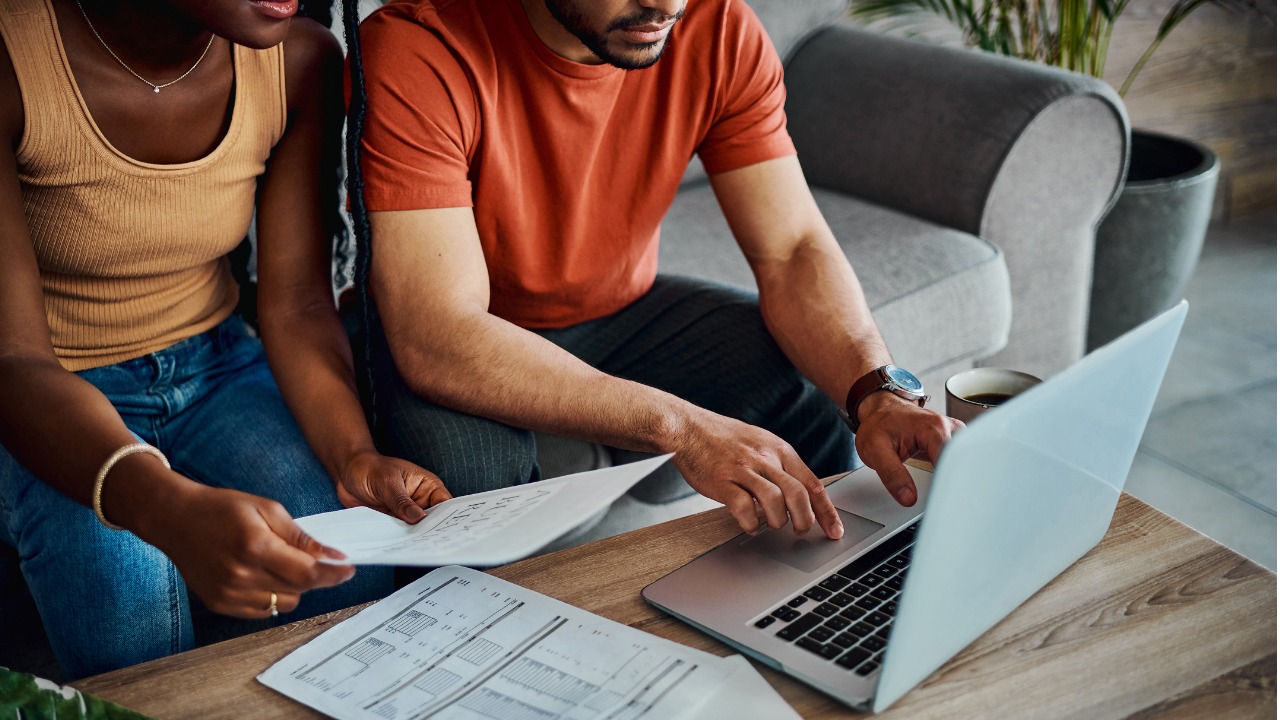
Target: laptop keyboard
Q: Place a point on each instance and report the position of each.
(846, 617)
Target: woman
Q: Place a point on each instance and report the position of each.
(138, 134)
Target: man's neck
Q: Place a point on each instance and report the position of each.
(554, 35)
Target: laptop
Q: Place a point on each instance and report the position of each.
(1016, 498)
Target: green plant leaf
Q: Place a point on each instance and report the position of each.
(1073, 34)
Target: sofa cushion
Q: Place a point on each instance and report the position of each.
(939, 295)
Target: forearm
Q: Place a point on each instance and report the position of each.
(477, 363)
(310, 358)
(827, 330)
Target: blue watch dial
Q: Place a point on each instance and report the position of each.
(903, 378)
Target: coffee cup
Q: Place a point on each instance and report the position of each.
(973, 392)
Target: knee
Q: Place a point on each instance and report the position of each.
(795, 410)
(822, 439)
(470, 454)
(107, 599)
(288, 472)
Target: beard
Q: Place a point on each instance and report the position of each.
(635, 57)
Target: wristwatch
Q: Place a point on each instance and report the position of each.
(886, 377)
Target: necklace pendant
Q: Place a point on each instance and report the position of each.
(154, 88)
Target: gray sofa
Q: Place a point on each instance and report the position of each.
(964, 188)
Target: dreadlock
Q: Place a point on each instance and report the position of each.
(241, 256)
(355, 197)
(322, 12)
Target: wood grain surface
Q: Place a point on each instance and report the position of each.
(1157, 621)
(1212, 80)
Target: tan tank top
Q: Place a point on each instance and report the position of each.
(131, 254)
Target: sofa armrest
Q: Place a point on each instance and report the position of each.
(1026, 157)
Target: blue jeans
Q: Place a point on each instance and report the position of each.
(109, 600)
(702, 342)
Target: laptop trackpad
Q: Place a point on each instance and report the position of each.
(814, 549)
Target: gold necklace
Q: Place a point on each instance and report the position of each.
(154, 87)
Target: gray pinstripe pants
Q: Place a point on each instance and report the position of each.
(703, 342)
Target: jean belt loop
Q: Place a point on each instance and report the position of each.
(156, 361)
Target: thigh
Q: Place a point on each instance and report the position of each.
(235, 431)
(238, 433)
(708, 344)
(705, 342)
(471, 454)
(107, 599)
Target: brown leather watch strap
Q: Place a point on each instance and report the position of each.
(862, 387)
(874, 381)
(859, 390)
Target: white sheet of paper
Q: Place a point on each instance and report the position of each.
(744, 694)
(485, 529)
(460, 644)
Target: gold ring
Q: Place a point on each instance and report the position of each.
(274, 611)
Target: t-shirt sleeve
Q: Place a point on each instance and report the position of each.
(420, 119)
(750, 123)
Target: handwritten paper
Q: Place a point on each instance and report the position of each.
(485, 529)
(458, 643)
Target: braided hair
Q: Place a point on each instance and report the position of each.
(355, 197)
(322, 12)
(336, 229)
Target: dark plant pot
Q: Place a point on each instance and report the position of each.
(1148, 244)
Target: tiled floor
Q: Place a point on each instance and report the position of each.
(1208, 457)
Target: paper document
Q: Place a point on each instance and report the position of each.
(460, 644)
(485, 529)
(744, 694)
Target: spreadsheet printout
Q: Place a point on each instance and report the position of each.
(462, 645)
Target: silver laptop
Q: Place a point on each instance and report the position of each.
(1017, 497)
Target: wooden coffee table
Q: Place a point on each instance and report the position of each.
(1157, 621)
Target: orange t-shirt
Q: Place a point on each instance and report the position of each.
(569, 167)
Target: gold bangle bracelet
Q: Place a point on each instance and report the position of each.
(116, 457)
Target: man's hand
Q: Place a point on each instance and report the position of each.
(893, 429)
(744, 467)
(394, 486)
(235, 549)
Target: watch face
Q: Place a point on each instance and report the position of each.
(903, 378)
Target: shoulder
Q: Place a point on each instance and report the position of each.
(415, 28)
(312, 58)
(721, 21)
(414, 44)
(719, 35)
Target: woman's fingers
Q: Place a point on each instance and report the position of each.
(295, 557)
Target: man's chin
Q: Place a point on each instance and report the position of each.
(630, 56)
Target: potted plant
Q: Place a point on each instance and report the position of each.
(1148, 244)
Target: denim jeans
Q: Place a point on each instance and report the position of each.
(702, 342)
(109, 600)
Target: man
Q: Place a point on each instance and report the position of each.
(518, 157)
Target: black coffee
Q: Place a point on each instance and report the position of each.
(989, 399)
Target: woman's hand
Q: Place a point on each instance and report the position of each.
(394, 486)
(235, 549)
